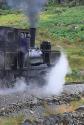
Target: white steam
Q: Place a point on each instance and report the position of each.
(20, 86)
(56, 77)
(55, 81)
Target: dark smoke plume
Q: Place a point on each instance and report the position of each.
(31, 8)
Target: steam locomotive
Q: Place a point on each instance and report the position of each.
(20, 58)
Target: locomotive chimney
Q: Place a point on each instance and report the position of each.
(32, 38)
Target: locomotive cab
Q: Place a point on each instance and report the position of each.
(20, 57)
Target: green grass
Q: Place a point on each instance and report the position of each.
(62, 26)
(11, 120)
(64, 22)
(15, 20)
(77, 104)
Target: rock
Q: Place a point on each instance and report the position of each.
(27, 122)
(82, 72)
(81, 108)
(31, 112)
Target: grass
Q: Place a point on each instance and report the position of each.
(60, 109)
(11, 121)
(15, 20)
(77, 104)
(62, 26)
(59, 22)
(64, 23)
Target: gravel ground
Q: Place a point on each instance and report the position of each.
(73, 89)
(22, 102)
(22, 97)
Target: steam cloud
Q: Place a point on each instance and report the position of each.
(31, 8)
(56, 77)
(55, 81)
(20, 86)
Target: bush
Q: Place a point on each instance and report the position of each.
(8, 11)
(67, 2)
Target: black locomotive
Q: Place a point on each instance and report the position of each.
(20, 58)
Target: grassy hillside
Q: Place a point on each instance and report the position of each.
(62, 26)
(64, 23)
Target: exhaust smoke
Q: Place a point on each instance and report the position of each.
(31, 8)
